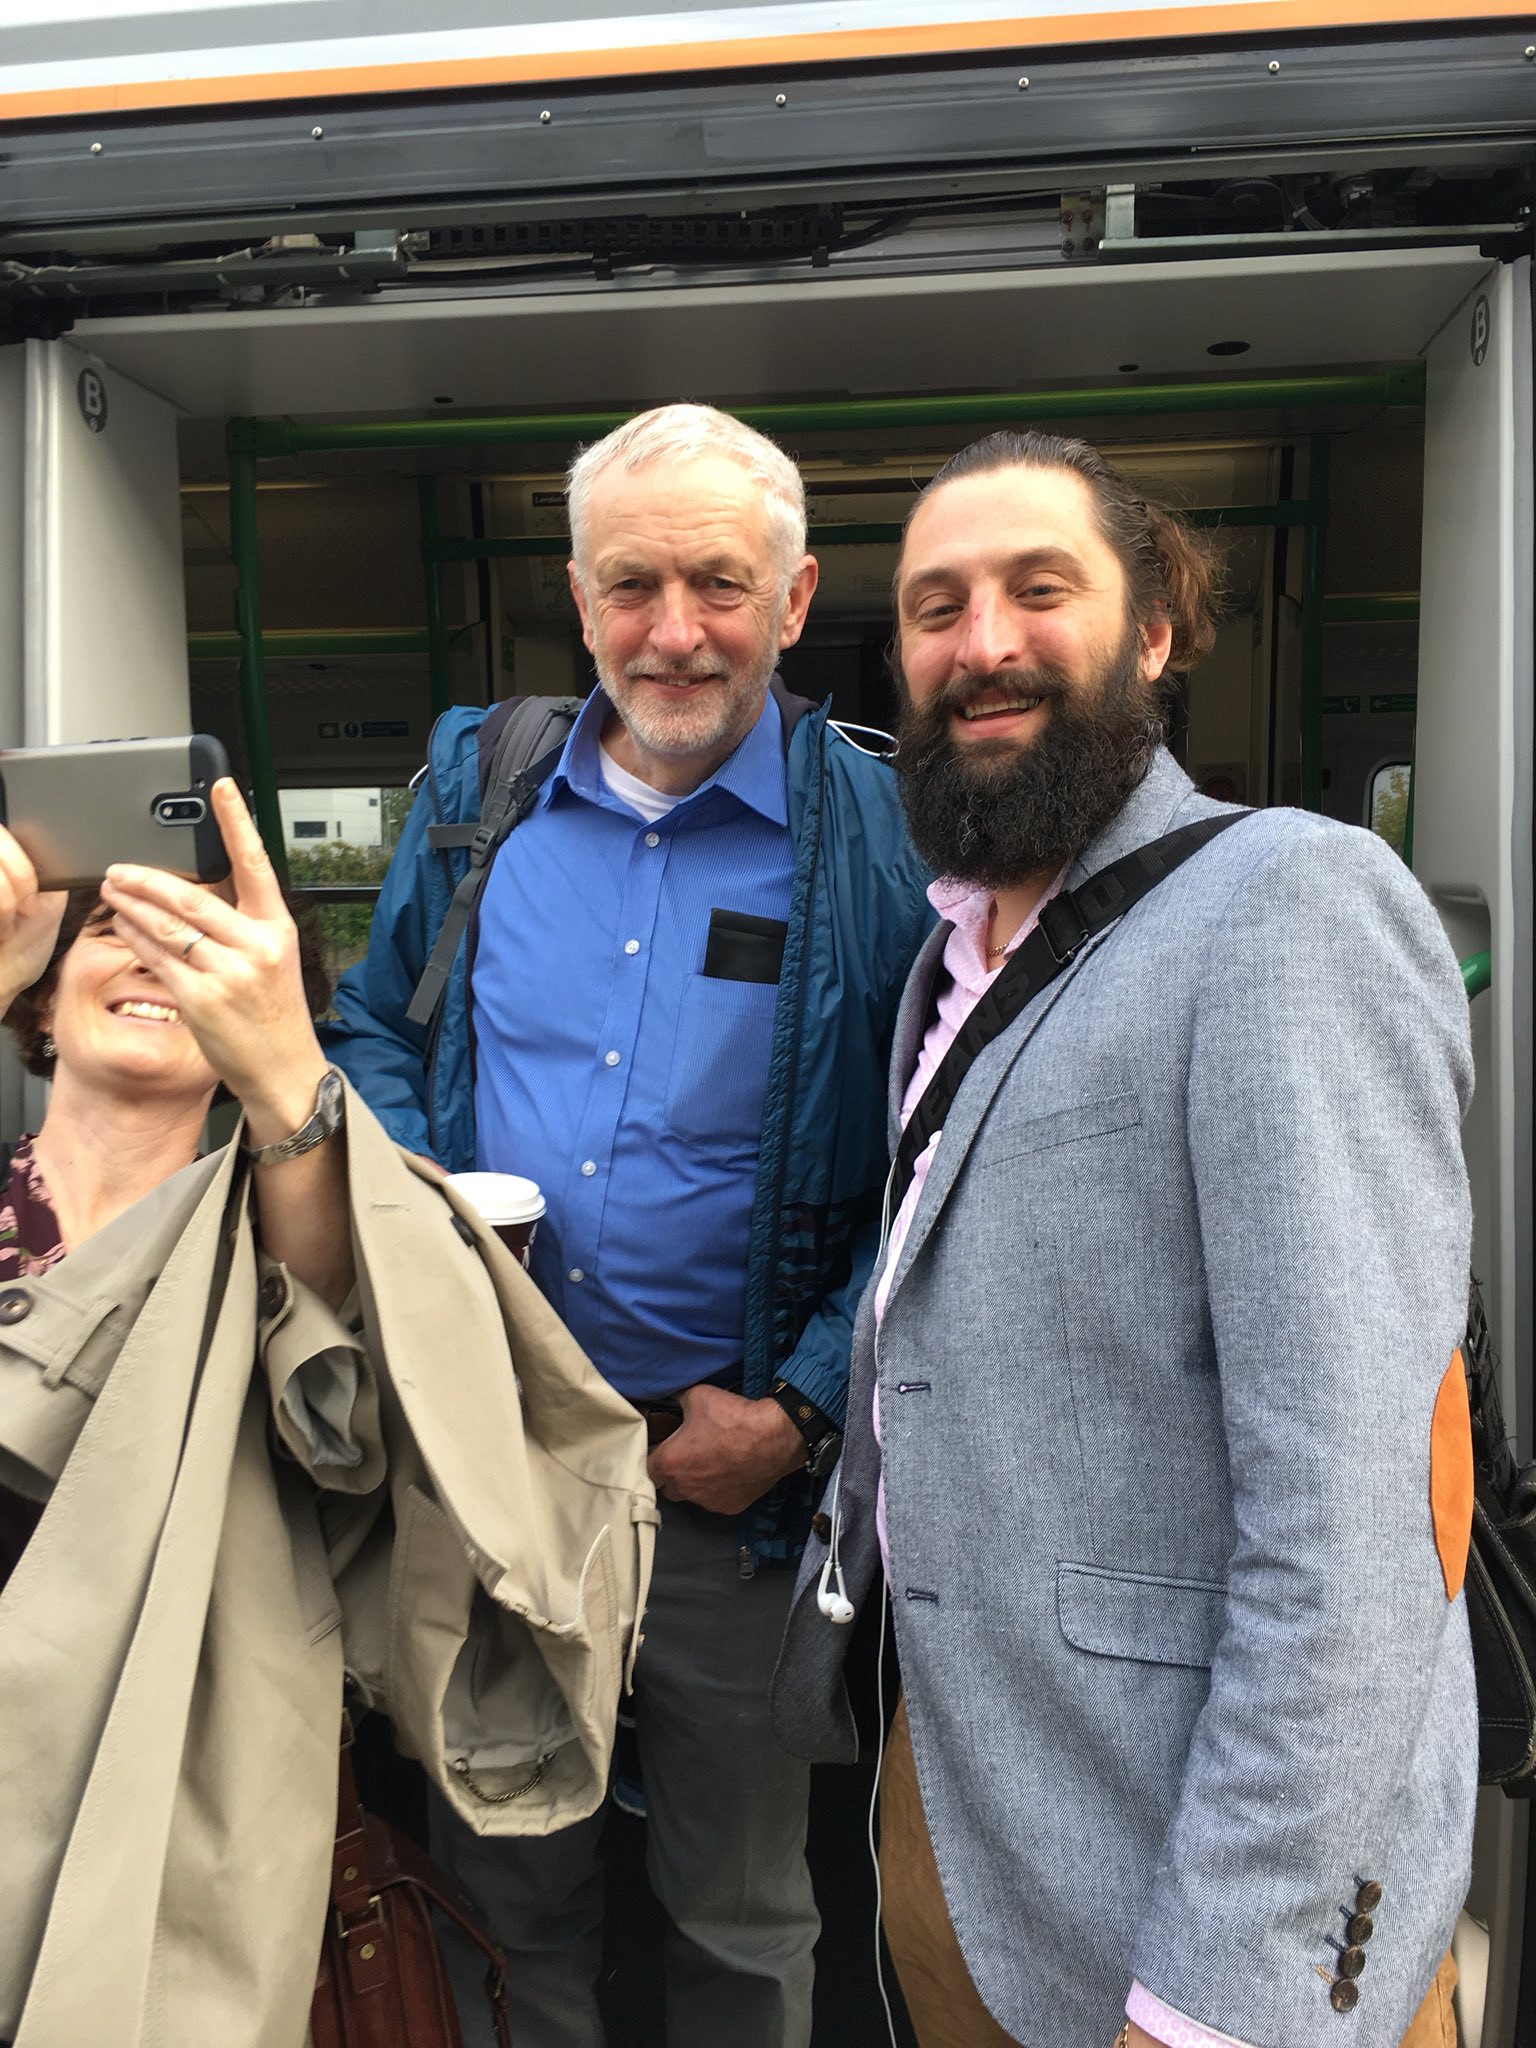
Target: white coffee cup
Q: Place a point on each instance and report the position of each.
(510, 1204)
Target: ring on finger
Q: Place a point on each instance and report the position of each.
(195, 938)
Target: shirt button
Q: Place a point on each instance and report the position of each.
(610, 1059)
(576, 1276)
(631, 945)
(653, 839)
(588, 1168)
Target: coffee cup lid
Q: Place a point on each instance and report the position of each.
(500, 1197)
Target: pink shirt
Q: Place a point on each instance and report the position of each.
(970, 976)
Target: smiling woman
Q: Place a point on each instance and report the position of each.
(131, 1084)
(138, 1005)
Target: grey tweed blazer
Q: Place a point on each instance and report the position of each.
(1158, 1372)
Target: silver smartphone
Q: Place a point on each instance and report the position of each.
(76, 809)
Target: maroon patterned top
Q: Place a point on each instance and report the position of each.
(29, 1230)
(29, 1243)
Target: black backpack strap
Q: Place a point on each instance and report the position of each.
(514, 759)
(523, 733)
(515, 733)
(1065, 926)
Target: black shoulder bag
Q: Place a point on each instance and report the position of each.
(1066, 925)
(1501, 1577)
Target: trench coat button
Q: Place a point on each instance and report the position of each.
(1344, 1996)
(273, 1294)
(15, 1304)
(1351, 1962)
(821, 1525)
(1368, 1898)
(1359, 1928)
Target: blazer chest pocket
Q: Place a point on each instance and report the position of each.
(1137, 1616)
(1021, 1135)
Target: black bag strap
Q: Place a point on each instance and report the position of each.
(511, 773)
(1497, 1469)
(1066, 925)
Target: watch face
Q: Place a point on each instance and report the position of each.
(330, 1099)
(824, 1454)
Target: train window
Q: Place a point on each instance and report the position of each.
(337, 861)
(1387, 803)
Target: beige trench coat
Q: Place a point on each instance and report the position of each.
(433, 1489)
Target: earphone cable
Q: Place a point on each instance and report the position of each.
(874, 1807)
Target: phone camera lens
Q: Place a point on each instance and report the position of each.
(181, 810)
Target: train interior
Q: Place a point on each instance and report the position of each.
(1356, 426)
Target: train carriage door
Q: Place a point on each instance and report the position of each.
(91, 573)
(1472, 849)
(105, 620)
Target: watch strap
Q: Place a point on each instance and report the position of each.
(323, 1121)
(811, 1422)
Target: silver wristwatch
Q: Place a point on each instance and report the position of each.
(323, 1122)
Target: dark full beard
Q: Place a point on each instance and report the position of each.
(995, 813)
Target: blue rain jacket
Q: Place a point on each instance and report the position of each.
(858, 913)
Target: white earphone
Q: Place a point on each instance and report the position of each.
(836, 1606)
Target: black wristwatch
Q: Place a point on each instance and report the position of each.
(823, 1438)
(323, 1121)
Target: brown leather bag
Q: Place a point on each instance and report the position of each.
(382, 1981)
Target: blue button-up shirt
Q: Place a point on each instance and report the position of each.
(613, 1071)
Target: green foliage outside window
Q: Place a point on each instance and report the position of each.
(1389, 804)
(337, 864)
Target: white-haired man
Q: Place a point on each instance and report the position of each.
(681, 990)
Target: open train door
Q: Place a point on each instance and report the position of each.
(93, 618)
(1472, 849)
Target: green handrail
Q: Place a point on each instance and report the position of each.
(1403, 385)
(1314, 552)
(846, 534)
(1476, 973)
(260, 762)
(440, 678)
(1370, 610)
(338, 643)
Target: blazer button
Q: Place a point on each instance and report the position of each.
(1368, 1898)
(821, 1526)
(1344, 1996)
(15, 1305)
(1351, 1962)
(1359, 1928)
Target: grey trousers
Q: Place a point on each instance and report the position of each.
(726, 1819)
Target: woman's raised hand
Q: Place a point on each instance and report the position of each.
(231, 969)
(29, 920)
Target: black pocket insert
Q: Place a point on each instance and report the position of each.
(744, 948)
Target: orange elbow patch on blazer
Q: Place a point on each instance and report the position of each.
(1450, 1475)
